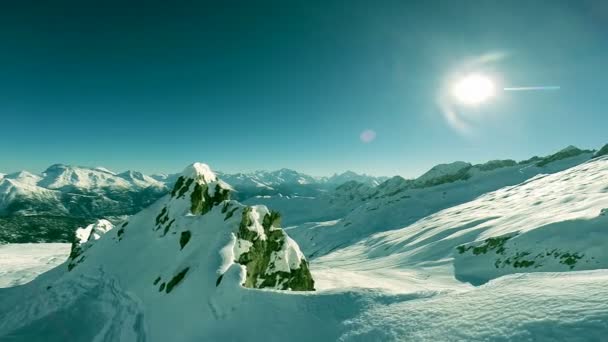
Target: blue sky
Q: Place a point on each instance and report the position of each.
(245, 85)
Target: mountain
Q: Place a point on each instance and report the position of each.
(92, 193)
(268, 179)
(602, 151)
(526, 261)
(84, 194)
(349, 176)
(78, 191)
(24, 177)
(65, 177)
(167, 179)
(75, 191)
(17, 197)
(192, 241)
(139, 180)
(411, 199)
(83, 179)
(291, 183)
(399, 202)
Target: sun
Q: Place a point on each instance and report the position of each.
(473, 89)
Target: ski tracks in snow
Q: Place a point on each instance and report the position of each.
(70, 310)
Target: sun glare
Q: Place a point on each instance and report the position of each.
(473, 89)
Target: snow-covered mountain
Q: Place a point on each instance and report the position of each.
(268, 179)
(525, 261)
(76, 191)
(90, 193)
(65, 177)
(192, 241)
(97, 191)
(20, 194)
(399, 202)
(348, 176)
(63, 195)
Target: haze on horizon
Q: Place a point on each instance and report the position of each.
(315, 86)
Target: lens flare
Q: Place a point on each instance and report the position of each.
(367, 136)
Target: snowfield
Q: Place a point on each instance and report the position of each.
(509, 254)
(21, 263)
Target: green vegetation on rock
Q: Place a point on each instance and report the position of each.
(160, 216)
(462, 174)
(493, 243)
(40, 228)
(566, 153)
(521, 259)
(258, 258)
(176, 279)
(202, 202)
(185, 188)
(495, 164)
(178, 185)
(167, 227)
(184, 238)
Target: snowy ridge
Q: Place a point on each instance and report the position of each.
(398, 203)
(443, 170)
(549, 223)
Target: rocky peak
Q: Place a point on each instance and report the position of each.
(198, 218)
(84, 238)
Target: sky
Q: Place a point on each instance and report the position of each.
(317, 86)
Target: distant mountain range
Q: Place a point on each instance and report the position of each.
(66, 190)
(63, 195)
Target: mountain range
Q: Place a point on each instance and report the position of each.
(95, 192)
(497, 251)
(45, 207)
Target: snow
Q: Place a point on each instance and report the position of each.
(394, 273)
(12, 190)
(199, 171)
(103, 169)
(523, 307)
(256, 215)
(24, 177)
(397, 204)
(63, 176)
(286, 259)
(21, 263)
(93, 231)
(139, 180)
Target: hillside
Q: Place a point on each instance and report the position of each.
(523, 262)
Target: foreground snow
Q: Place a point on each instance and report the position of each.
(541, 307)
(21, 263)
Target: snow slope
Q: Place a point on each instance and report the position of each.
(398, 202)
(434, 279)
(21, 263)
(549, 223)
